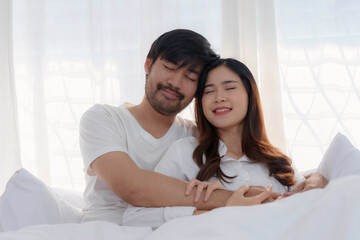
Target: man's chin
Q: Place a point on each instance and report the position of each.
(168, 111)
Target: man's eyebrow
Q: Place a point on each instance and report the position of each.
(171, 62)
(178, 66)
(191, 70)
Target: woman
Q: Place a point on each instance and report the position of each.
(232, 147)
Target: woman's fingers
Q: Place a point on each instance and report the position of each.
(200, 187)
(260, 198)
(212, 186)
(191, 186)
(298, 188)
(242, 190)
(238, 198)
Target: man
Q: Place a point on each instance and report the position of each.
(121, 145)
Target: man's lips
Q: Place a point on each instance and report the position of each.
(221, 110)
(170, 94)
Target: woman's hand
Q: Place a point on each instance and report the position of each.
(256, 190)
(313, 181)
(208, 186)
(238, 198)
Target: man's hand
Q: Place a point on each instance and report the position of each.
(256, 190)
(313, 181)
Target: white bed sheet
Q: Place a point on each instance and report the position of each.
(330, 213)
(96, 230)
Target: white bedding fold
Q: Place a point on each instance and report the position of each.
(96, 230)
(330, 213)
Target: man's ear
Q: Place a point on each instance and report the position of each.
(147, 65)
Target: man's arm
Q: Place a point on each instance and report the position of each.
(145, 188)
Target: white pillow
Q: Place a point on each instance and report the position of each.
(340, 159)
(28, 201)
(74, 198)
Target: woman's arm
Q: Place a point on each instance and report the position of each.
(312, 181)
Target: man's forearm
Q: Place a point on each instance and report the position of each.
(145, 188)
(157, 190)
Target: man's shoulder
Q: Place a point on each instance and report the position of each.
(187, 142)
(103, 115)
(103, 110)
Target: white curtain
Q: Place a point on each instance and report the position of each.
(69, 55)
(249, 34)
(319, 57)
(9, 146)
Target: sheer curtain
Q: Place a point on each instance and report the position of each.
(305, 56)
(319, 57)
(9, 146)
(249, 34)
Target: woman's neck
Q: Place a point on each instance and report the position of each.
(233, 141)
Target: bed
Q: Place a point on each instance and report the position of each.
(31, 210)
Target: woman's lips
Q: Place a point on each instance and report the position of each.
(221, 110)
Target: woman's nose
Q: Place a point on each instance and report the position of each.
(220, 97)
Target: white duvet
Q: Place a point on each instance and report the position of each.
(95, 230)
(330, 213)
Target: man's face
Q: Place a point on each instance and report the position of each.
(170, 89)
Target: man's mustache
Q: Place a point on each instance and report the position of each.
(161, 86)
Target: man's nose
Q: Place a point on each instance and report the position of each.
(175, 80)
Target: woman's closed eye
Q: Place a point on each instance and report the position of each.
(230, 88)
(208, 91)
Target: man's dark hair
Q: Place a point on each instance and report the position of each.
(183, 47)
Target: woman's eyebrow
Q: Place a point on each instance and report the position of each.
(229, 81)
(209, 85)
(222, 83)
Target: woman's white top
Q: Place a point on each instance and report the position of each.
(178, 162)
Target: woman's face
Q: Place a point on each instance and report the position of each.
(225, 100)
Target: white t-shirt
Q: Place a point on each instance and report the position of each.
(178, 162)
(105, 129)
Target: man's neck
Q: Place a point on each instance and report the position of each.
(150, 120)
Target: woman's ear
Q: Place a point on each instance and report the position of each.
(147, 65)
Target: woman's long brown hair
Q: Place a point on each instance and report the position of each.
(255, 143)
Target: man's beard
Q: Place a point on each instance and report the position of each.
(167, 108)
